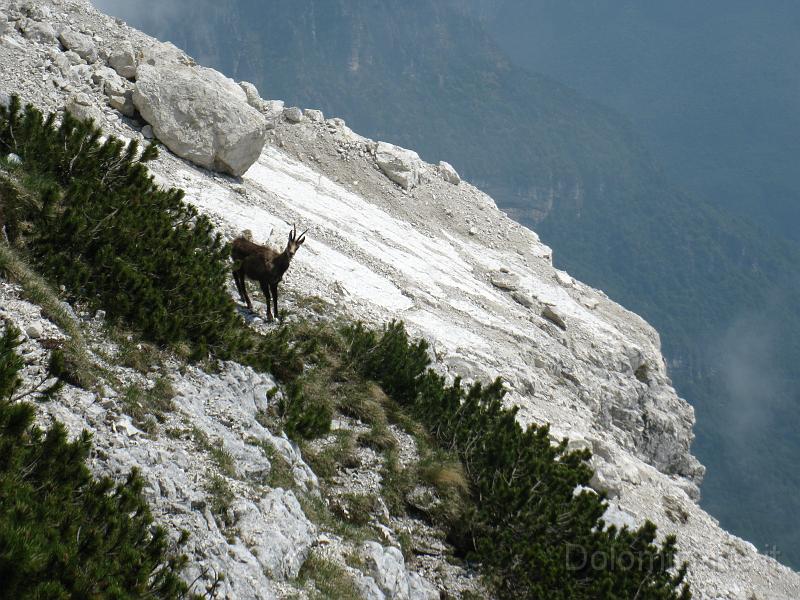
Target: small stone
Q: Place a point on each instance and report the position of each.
(505, 281)
(314, 115)
(81, 107)
(147, 132)
(13, 159)
(473, 231)
(523, 299)
(293, 114)
(448, 173)
(34, 330)
(564, 279)
(551, 315)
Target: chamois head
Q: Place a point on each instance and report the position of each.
(295, 241)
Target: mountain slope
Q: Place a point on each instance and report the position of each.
(480, 287)
(428, 76)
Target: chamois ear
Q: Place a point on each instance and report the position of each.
(302, 237)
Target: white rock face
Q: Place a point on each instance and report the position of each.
(402, 166)
(201, 116)
(277, 532)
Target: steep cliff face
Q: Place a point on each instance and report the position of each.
(440, 256)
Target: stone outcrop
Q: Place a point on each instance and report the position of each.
(201, 116)
(389, 578)
(402, 166)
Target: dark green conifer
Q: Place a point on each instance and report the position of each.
(63, 533)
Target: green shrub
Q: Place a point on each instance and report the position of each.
(105, 230)
(63, 533)
(534, 535)
(304, 415)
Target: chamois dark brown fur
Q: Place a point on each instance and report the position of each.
(264, 265)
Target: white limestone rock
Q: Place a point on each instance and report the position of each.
(402, 166)
(5, 25)
(253, 97)
(293, 114)
(83, 108)
(388, 570)
(314, 115)
(80, 44)
(123, 60)
(164, 53)
(448, 173)
(276, 531)
(38, 32)
(201, 116)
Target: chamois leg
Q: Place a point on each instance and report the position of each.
(241, 283)
(238, 278)
(274, 288)
(265, 289)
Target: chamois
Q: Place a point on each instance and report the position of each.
(264, 265)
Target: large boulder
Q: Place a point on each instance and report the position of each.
(402, 166)
(201, 116)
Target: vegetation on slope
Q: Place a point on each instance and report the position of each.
(63, 533)
(519, 513)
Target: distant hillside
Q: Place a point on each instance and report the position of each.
(712, 86)
(427, 75)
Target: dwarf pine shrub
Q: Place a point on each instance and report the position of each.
(63, 533)
(100, 226)
(536, 537)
